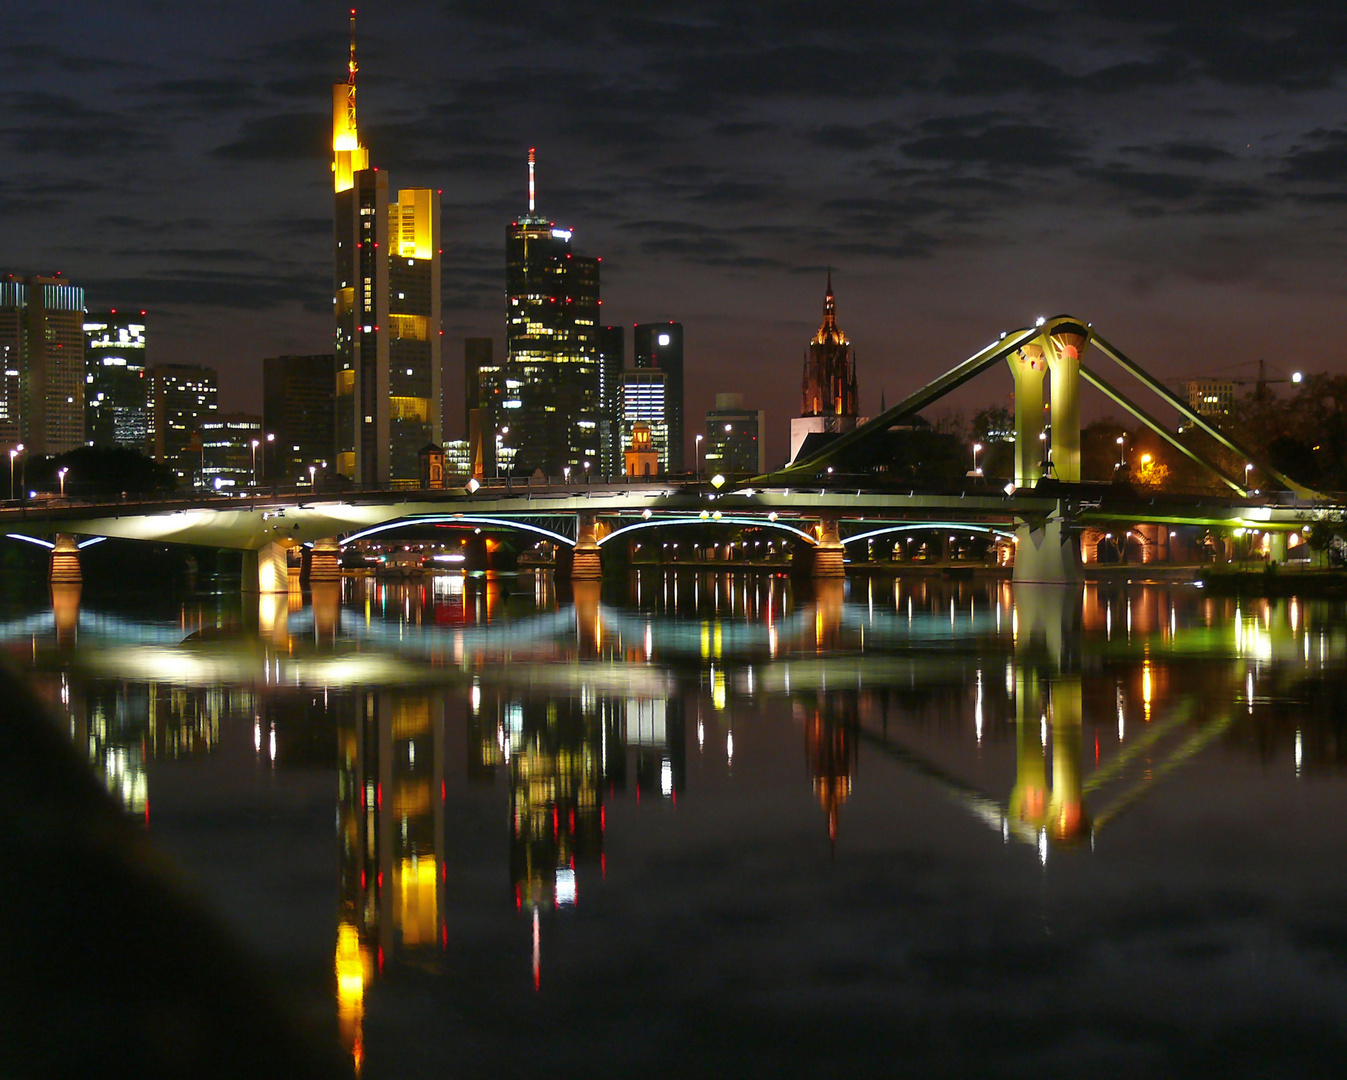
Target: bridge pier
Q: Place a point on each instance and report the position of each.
(325, 560)
(1276, 547)
(1047, 552)
(266, 570)
(828, 554)
(586, 561)
(65, 562)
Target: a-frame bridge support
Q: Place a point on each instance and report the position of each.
(1047, 434)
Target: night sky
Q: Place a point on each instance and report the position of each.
(1172, 173)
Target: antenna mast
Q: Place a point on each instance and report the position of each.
(532, 190)
(350, 79)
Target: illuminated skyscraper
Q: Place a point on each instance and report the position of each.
(612, 361)
(42, 348)
(181, 396)
(644, 401)
(386, 296)
(548, 392)
(660, 345)
(116, 384)
(734, 443)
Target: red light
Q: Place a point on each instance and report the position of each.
(379, 796)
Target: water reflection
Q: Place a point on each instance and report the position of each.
(1044, 714)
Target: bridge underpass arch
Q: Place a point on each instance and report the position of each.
(724, 519)
(460, 519)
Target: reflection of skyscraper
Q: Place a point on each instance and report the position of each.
(548, 392)
(830, 745)
(116, 384)
(660, 345)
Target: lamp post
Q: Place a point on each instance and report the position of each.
(1120, 450)
(313, 469)
(12, 455)
(976, 447)
(1248, 466)
(500, 445)
(255, 445)
(269, 454)
(698, 457)
(60, 475)
(566, 473)
(586, 472)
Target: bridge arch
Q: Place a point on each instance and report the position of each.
(657, 522)
(932, 526)
(459, 519)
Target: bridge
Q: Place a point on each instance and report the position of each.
(817, 507)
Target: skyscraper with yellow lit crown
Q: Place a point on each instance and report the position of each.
(386, 297)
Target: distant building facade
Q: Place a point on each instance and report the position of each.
(1211, 397)
(660, 346)
(734, 439)
(42, 349)
(299, 410)
(182, 396)
(233, 451)
(829, 400)
(612, 362)
(116, 382)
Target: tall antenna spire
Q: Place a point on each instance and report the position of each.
(532, 190)
(352, 64)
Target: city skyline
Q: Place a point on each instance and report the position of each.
(1169, 175)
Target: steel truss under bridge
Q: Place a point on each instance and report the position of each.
(1051, 350)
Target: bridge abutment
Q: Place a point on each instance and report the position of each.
(828, 555)
(65, 562)
(325, 561)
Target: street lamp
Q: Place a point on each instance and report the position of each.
(312, 470)
(586, 472)
(1120, 450)
(60, 475)
(12, 455)
(1248, 466)
(255, 445)
(500, 446)
(697, 474)
(566, 472)
(976, 447)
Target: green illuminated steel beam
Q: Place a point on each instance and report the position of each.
(1195, 418)
(1115, 395)
(929, 394)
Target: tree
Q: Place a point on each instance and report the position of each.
(100, 471)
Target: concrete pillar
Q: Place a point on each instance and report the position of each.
(586, 562)
(1046, 551)
(65, 562)
(325, 560)
(266, 570)
(829, 552)
(1276, 547)
(1068, 341)
(1028, 367)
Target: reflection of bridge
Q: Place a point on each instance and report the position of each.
(814, 503)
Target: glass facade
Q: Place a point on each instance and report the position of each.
(42, 350)
(660, 345)
(116, 382)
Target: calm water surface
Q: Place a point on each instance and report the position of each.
(723, 825)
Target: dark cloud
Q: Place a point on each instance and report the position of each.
(288, 137)
(1324, 161)
(1015, 146)
(59, 124)
(852, 137)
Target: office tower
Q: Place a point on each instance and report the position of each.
(298, 409)
(1210, 397)
(660, 345)
(386, 298)
(233, 451)
(181, 397)
(612, 362)
(548, 391)
(643, 402)
(42, 346)
(478, 362)
(116, 385)
(828, 397)
(734, 439)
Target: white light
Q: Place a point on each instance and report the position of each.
(565, 886)
(664, 339)
(1296, 377)
(1040, 321)
(561, 234)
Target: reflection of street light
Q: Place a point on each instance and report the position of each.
(698, 472)
(60, 475)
